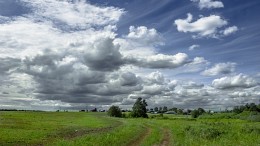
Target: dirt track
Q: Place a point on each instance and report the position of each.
(141, 138)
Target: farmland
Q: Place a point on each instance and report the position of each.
(80, 128)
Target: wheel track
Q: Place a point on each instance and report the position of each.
(166, 138)
(141, 138)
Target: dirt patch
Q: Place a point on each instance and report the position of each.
(75, 132)
(166, 138)
(80, 132)
(141, 138)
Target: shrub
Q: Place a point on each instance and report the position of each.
(250, 129)
(114, 111)
(203, 132)
(195, 114)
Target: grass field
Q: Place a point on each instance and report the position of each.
(78, 128)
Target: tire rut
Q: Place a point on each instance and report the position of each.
(141, 138)
(71, 134)
(166, 138)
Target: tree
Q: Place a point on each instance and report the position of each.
(165, 109)
(156, 109)
(174, 109)
(114, 111)
(201, 111)
(195, 114)
(237, 110)
(252, 107)
(139, 109)
(180, 111)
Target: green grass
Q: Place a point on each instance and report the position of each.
(97, 129)
(121, 135)
(37, 127)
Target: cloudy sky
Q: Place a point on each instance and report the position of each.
(73, 54)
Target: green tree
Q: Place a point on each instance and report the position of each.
(156, 109)
(174, 109)
(180, 111)
(139, 109)
(201, 111)
(195, 114)
(253, 107)
(114, 111)
(165, 109)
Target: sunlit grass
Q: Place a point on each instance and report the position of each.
(97, 129)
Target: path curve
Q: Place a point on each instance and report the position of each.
(141, 138)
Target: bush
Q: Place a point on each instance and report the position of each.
(114, 111)
(209, 132)
(195, 114)
(250, 129)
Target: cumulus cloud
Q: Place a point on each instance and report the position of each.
(209, 4)
(220, 69)
(67, 53)
(237, 81)
(193, 47)
(145, 36)
(80, 61)
(240, 94)
(192, 85)
(104, 55)
(74, 14)
(204, 27)
(160, 61)
(230, 30)
(156, 78)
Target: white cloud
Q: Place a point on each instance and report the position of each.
(198, 64)
(160, 60)
(144, 35)
(75, 14)
(204, 27)
(238, 81)
(240, 94)
(230, 30)
(156, 78)
(220, 69)
(193, 47)
(209, 4)
(67, 53)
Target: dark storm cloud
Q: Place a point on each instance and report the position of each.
(5, 93)
(75, 81)
(104, 56)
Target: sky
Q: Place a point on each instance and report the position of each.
(77, 54)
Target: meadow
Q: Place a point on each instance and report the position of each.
(98, 129)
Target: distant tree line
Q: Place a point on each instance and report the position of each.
(21, 110)
(247, 107)
(139, 110)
